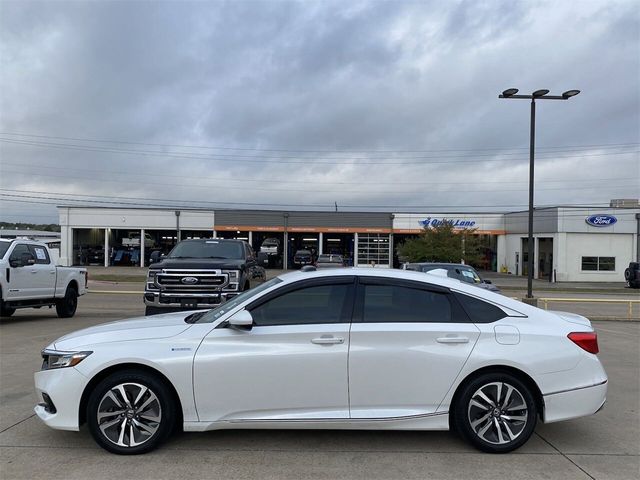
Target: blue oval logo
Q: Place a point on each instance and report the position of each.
(189, 280)
(601, 220)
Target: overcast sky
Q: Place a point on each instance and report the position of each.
(374, 105)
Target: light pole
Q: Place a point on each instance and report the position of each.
(540, 95)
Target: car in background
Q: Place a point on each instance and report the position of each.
(632, 275)
(200, 273)
(358, 348)
(302, 258)
(464, 273)
(31, 279)
(329, 261)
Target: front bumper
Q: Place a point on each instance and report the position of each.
(196, 300)
(63, 387)
(579, 402)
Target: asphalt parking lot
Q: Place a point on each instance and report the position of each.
(604, 446)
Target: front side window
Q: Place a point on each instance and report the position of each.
(307, 305)
(18, 251)
(395, 303)
(215, 313)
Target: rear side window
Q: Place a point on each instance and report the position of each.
(395, 303)
(40, 254)
(480, 311)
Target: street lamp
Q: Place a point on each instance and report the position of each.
(539, 95)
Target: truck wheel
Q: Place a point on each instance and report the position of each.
(66, 307)
(7, 311)
(627, 274)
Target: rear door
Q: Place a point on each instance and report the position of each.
(408, 343)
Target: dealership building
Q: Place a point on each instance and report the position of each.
(571, 243)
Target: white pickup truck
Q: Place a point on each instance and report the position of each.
(30, 279)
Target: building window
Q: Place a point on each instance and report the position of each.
(601, 264)
(373, 249)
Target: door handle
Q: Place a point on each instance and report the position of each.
(33, 271)
(327, 340)
(452, 340)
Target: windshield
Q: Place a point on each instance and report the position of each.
(270, 241)
(207, 249)
(468, 275)
(4, 246)
(213, 314)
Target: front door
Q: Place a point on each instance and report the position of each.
(19, 286)
(407, 348)
(291, 365)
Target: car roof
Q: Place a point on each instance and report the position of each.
(439, 264)
(427, 278)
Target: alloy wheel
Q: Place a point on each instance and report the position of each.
(497, 413)
(129, 414)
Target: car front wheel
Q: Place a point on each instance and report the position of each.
(130, 413)
(496, 413)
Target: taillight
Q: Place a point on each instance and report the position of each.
(586, 340)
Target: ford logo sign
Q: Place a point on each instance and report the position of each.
(189, 280)
(601, 220)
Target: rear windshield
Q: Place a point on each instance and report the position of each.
(208, 249)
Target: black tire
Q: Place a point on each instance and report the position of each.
(627, 274)
(152, 310)
(7, 311)
(478, 425)
(66, 307)
(633, 284)
(160, 405)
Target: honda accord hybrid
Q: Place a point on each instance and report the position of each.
(335, 349)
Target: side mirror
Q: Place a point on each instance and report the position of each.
(154, 257)
(241, 320)
(488, 281)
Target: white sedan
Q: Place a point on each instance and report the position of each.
(335, 349)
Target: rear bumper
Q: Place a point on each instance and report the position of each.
(579, 402)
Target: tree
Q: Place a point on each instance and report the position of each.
(443, 243)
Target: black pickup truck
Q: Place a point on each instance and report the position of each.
(200, 274)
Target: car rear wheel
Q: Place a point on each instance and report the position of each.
(66, 307)
(6, 311)
(130, 413)
(496, 413)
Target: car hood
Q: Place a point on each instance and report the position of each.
(142, 328)
(198, 263)
(573, 318)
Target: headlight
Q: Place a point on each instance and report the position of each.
(53, 359)
(233, 275)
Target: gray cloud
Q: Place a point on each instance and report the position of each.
(327, 76)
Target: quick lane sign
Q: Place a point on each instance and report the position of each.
(436, 222)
